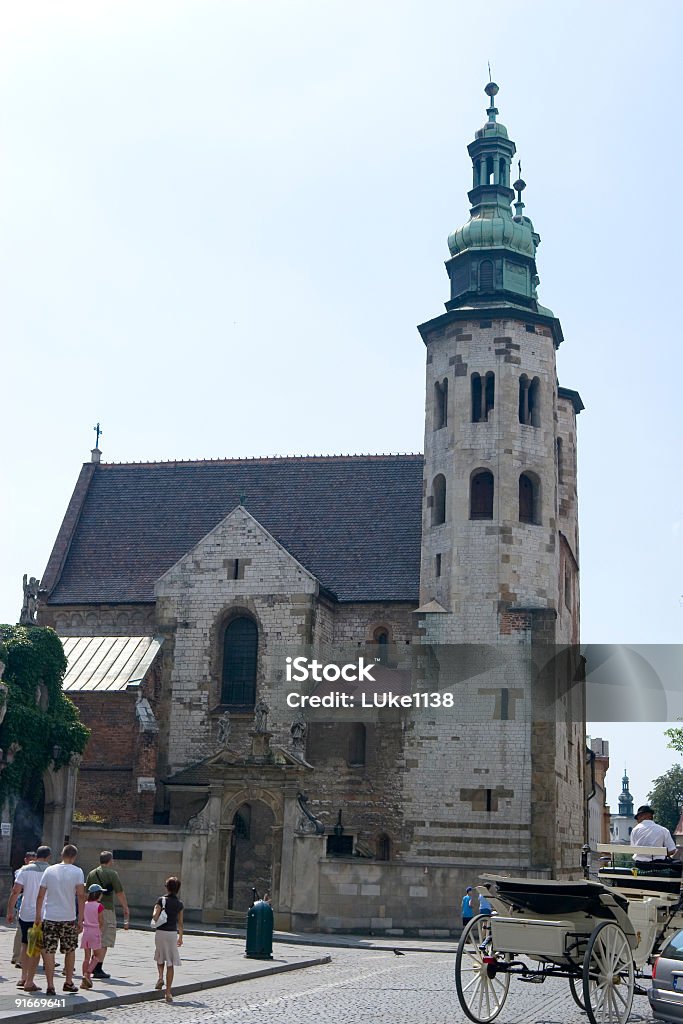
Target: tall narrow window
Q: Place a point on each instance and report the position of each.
(440, 403)
(567, 588)
(381, 638)
(502, 172)
(489, 393)
(476, 397)
(240, 657)
(529, 401)
(437, 565)
(529, 498)
(534, 403)
(356, 749)
(560, 466)
(481, 494)
(486, 276)
(439, 500)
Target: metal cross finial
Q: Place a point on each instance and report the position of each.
(243, 497)
(98, 434)
(519, 167)
(489, 64)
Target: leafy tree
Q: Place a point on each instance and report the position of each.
(675, 738)
(41, 725)
(666, 797)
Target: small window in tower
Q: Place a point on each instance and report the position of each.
(489, 170)
(476, 397)
(490, 392)
(535, 403)
(489, 801)
(486, 276)
(567, 588)
(481, 494)
(502, 172)
(440, 404)
(529, 401)
(437, 565)
(560, 467)
(439, 500)
(529, 498)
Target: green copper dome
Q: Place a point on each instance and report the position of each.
(491, 227)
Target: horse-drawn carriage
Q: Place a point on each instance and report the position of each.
(600, 935)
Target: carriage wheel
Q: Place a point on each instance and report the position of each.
(576, 989)
(481, 985)
(608, 975)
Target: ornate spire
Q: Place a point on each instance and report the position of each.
(493, 255)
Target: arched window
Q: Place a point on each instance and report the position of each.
(529, 401)
(483, 396)
(486, 276)
(383, 847)
(381, 638)
(439, 500)
(502, 172)
(440, 404)
(529, 498)
(356, 744)
(240, 657)
(489, 393)
(481, 494)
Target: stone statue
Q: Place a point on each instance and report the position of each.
(30, 605)
(261, 716)
(298, 730)
(223, 730)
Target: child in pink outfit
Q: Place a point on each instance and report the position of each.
(91, 940)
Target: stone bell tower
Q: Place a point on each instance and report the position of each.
(500, 555)
(500, 535)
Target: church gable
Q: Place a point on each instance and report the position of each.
(237, 556)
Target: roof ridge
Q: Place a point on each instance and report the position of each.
(263, 459)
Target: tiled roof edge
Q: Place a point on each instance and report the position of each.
(55, 562)
(262, 458)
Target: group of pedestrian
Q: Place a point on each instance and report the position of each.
(55, 903)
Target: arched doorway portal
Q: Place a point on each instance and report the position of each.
(251, 854)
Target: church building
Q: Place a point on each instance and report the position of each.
(180, 589)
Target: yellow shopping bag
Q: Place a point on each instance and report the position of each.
(35, 940)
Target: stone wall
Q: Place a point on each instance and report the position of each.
(143, 880)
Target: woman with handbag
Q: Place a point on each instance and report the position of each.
(167, 920)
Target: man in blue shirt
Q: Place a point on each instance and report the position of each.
(467, 911)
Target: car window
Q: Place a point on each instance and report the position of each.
(674, 949)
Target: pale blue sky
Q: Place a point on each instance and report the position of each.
(220, 223)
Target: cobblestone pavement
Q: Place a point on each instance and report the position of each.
(358, 986)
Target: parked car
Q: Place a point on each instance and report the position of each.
(666, 993)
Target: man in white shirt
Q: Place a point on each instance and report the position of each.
(27, 882)
(59, 906)
(648, 833)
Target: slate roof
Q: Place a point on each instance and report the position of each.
(352, 521)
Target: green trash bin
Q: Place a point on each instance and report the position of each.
(260, 931)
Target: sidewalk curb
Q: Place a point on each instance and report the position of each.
(91, 1005)
(450, 944)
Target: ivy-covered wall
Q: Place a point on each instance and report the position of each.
(39, 725)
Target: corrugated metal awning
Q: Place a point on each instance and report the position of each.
(108, 662)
